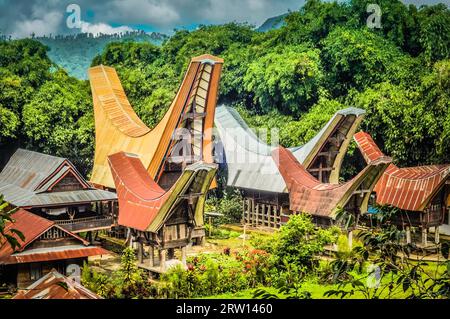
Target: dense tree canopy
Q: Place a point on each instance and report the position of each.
(322, 59)
(58, 120)
(41, 107)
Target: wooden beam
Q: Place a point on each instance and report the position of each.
(151, 259)
(183, 255)
(320, 169)
(162, 260)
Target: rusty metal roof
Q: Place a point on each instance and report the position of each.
(32, 227)
(56, 286)
(308, 195)
(28, 178)
(409, 188)
(143, 204)
(54, 253)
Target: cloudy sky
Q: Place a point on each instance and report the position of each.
(20, 18)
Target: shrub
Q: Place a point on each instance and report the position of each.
(299, 241)
(128, 282)
(230, 205)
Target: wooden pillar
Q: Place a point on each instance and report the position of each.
(436, 235)
(424, 236)
(170, 253)
(263, 217)
(408, 235)
(257, 214)
(249, 210)
(210, 226)
(269, 216)
(350, 239)
(253, 212)
(183, 255)
(140, 252)
(275, 214)
(244, 204)
(162, 259)
(279, 215)
(151, 257)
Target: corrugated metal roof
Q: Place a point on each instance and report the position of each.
(55, 286)
(55, 253)
(409, 188)
(248, 159)
(32, 227)
(27, 177)
(27, 169)
(308, 195)
(143, 204)
(60, 173)
(78, 196)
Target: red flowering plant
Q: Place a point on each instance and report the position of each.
(256, 264)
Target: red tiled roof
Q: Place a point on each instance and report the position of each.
(56, 286)
(32, 226)
(409, 188)
(308, 195)
(140, 197)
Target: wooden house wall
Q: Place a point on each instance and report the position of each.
(24, 271)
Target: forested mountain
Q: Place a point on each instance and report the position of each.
(324, 58)
(272, 23)
(74, 53)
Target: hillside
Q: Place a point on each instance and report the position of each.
(273, 23)
(75, 52)
(294, 78)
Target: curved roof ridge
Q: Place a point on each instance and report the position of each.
(409, 188)
(129, 170)
(229, 119)
(118, 128)
(112, 97)
(255, 168)
(143, 204)
(309, 195)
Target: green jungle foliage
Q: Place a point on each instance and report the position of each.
(127, 282)
(294, 77)
(74, 53)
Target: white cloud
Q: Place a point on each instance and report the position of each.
(23, 17)
(47, 23)
(97, 28)
(159, 13)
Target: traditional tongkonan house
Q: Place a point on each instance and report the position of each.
(251, 168)
(51, 187)
(182, 137)
(46, 246)
(323, 200)
(56, 286)
(163, 220)
(422, 193)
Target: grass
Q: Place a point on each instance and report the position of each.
(317, 292)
